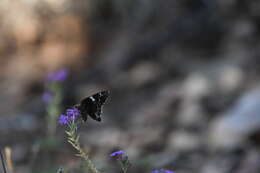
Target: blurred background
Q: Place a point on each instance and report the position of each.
(183, 75)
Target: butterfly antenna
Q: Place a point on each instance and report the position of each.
(2, 160)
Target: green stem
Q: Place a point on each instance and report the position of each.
(123, 166)
(73, 139)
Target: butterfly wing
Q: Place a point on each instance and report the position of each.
(92, 105)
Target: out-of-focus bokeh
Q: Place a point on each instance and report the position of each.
(183, 75)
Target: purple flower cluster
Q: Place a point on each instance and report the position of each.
(70, 116)
(58, 76)
(64, 119)
(122, 156)
(118, 154)
(162, 171)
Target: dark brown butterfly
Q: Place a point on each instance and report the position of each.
(92, 105)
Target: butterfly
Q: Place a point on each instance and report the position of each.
(92, 105)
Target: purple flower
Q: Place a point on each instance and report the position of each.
(162, 171)
(47, 97)
(72, 113)
(64, 119)
(70, 116)
(58, 76)
(118, 154)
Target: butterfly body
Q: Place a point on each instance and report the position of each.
(92, 106)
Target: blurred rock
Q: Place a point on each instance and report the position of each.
(36, 40)
(64, 44)
(230, 78)
(191, 112)
(184, 141)
(159, 109)
(20, 22)
(223, 161)
(160, 160)
(191, 115)
(234, 126)
(144, 73)
(141, 136)
(196, 86)
(251, 163)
